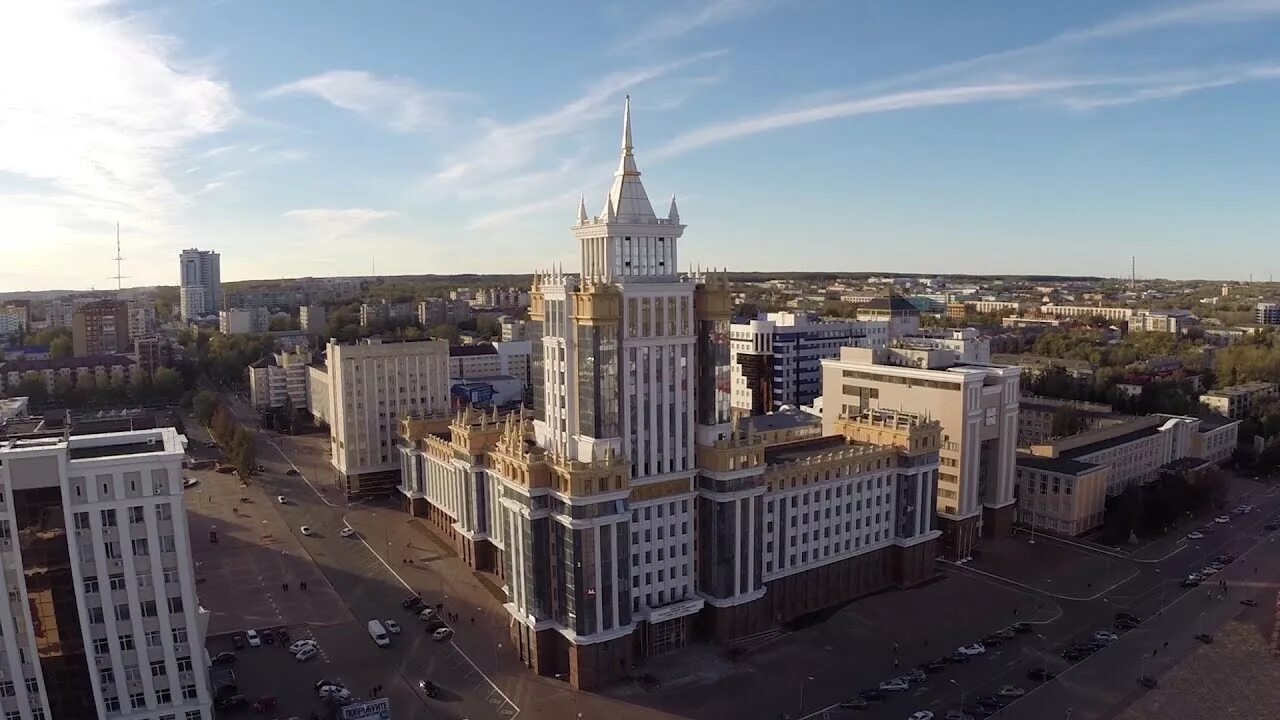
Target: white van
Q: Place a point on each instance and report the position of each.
(379, 633)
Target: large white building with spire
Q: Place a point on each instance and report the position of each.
(625, 503)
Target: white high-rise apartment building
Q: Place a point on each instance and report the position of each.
(199, 283)
(368, 388)
(102, 619)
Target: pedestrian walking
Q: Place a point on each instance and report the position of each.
(284, 586)
(303, 584)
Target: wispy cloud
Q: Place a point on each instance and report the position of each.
(398, 103)
(96, 106)
(506, 148)
(337, 222)
(693, 16)
(505, 215)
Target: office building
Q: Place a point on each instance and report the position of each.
(1267, 314)
(199, 284)
(100, 327)
(1114, 314)
(903, 317)
(626, 504)
(312, 319)
(142, 319)
(1237, 401)
(1166, 321)
(994, 307)
(977, 406)
(14, 320)
(244, 321)
(103, 619)
(268, 298)
(61, 313)
(103, 369)
(513, 329)
(12, 408)
(1042, 419)
(280, 380)
(776, 357)
(969, 347)
(363, 391)
(1061, 495)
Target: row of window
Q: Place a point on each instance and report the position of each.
(164, 696)
(133, 673)
(137, 515)
(828, 550)
(117, 581)
(148, 607)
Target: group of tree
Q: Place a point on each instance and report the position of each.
(1151, 509)
(167, 386)
(235, 440)
(224, 359)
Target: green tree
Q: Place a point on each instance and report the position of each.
(1066, 421)
(64, 392)
(33, 388)
(60, 347)
(448, 332)
(167, 383)
(204, 404)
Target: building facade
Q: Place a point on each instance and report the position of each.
(280, 379)
(1237, 401)
(100, 327)
(103, 619)
(1114, 314)
(776, 358)
(625, 503)
(78, 371)
(977, 406)
(199, 284)
(142, 319)
(1060, 495)
(312, 319)
(369, 387)
(14, 320)
(244, 321)
(1267, 314)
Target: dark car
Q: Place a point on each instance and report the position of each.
(1125, 624)
(1021, 627)
(1147, 681)
(1250, 602)
(238, 641)
(854, 704)
(433, 624)
(232, 702)
(1205, 638)
(429, 688)
(1005, 634)
(1272, 525)
(414, 604)
(872, 694)
(283, 636)
(1127, 616)
(1041, 674)
(980, 711)
(223, 658)
(291, 472)
(410, 601)
(993, 640)
(993, 701)
(957, 657)
(1073, 655)
(268, 637)
(933, 667)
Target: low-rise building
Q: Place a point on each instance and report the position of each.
(1224, 336)
(14, 320)
(1267, 314)
(442, 311)
(118, 369)
(1114, 314)
(383, 311)
(244, 321)
(1134, 451)
(1033, 366)
(312, 319)
(995, 306)
(1237, 401)
(1036, 418)
(513, 329)
(280, 380)
(152, 353)
(1020, 321)
(142, 319)
(1167, 321)
(967, 344)
(1061, 495)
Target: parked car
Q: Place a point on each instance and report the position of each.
(1073, 655)
(1222, 519)
(1011, 691)
(1205, 638)
(956, 715)
(894, 685)
(282, 500)
(1191, 580)
(921, 715)
(980, 711)
(1004, 634)
(1127, 616)
(427, 613)
(190, 482)
(392, 626)
(1195, 535)
(933, 667)
(282, 635)
(992, 640)
(916, 675)
(1209, 571)
(232, 702)
(957, 657)
(1105, 636)
(307, 653)
(252, 637)
(428, 687)
(321, 684)
(223, 658)
(237, 641)
(297, 645)
(992, 701)
(971, 649)
(1271, 525)
(291, 472)
(853, 704)
(347, 531)
(1041, 674)
(1250, 602)
(1147, 681)
(1125, 624)
(411, 600)
(306, 530)
(442, 634)
(434, 624)
(872, 694)
(1021, 627)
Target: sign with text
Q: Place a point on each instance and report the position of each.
(379, 709)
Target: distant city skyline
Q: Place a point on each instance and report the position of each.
(807, 136)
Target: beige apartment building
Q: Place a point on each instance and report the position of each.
(977, 406)
(1237, 401)
(280, 379)
(363, 392)
(100, 327)
(1109, 313)
(1061, 495)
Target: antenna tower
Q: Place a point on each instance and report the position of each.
(118, 277)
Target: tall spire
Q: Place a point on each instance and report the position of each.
(627, 163)
(630, 203)
(582, 210)
(673, 215)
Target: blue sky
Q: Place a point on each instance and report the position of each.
(302, 138)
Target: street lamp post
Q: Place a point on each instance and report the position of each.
(802, 684)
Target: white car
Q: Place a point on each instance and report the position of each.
(252, 637)
(282, 500)
(442, 634)
(190, 482)
(307, 653)
(347, 532)
(392, 626)
(894, 685)
(1208, 570)
(1011, 691)
(297, 645)
(334, 693)
(1105, 636)
(974, 649)
(921, 715)
(1222, 519)
(427, 614)
(306, 530)
(1195, 535)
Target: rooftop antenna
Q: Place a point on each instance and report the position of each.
(118, 277)
(1133, 272)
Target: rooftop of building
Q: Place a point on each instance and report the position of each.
(25, 365)
(892, 302)
(472, 350)
(800, 449)
(1241, 389)
(96, 445)
(482, 379)
(1213, 422)
(1061, 465)
(785, 418)
(1185, 464)
(1110, 442)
